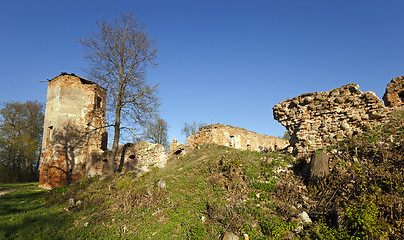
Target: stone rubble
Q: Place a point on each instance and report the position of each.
(177, 148)
(230, 236)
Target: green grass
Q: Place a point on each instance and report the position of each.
(24, 215)
(206, 194)
(7, 186)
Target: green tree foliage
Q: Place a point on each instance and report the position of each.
(191, 128)
(21, 127)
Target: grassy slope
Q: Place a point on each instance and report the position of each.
(211, 183)
(215, 189)
(207, 192)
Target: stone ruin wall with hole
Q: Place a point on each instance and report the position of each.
(319, 119)
(74, 143)
(235, 137)
(131, 157)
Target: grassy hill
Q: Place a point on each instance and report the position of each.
(214, 189)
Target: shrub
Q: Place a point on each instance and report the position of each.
(276, 227)
(360, 219)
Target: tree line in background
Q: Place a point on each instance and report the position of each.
(156, 131)
(191, 128)
(21, 126)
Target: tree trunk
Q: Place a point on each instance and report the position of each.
(115, 145)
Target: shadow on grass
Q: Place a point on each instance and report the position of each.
(7, 186)
(45, 226)
(16, 202)
(24, 216)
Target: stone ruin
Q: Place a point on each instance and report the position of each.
(238, 138)
(394, 95)
(73, 129)
(319, 119)
(74, 143)
(177, 148)
(131, 157)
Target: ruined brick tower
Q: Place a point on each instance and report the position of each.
(73, 129)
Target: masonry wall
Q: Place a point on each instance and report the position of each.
(139, 157)
(235, 137)
(319, 119)
(73, 129)
(394, 95)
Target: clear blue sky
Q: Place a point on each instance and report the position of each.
(220, 61)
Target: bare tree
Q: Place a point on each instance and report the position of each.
(192, 128)
(119, 55)
(156, 132)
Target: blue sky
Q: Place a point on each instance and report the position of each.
(219, 61)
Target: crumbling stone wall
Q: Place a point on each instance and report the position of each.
(140, 157)
(394, 95)
(73, 129)
(319, 119)
(176, 147)
(235, 137)
(143, 156)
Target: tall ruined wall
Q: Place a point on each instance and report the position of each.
(74, 138)
(235, 137)
(318, 119)
(73, 129)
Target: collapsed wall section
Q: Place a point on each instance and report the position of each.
(394, 95)
(319, 119)
(235, 137)
(139, 157)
